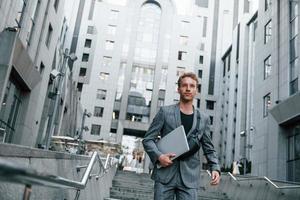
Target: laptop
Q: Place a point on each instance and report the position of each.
(174, 142)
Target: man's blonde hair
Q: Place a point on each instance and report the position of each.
(187, 74)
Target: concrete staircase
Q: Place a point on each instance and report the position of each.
(131, 186)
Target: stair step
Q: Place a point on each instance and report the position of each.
(131, 186)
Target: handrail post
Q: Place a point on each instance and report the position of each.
(106, 162)
(27, 192)
(77, 195)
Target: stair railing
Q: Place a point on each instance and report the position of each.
(261, 178)
(11, 172)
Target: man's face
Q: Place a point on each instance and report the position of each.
(187, 89)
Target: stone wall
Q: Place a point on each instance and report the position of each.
(55, 163)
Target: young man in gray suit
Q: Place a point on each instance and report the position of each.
(180, 177)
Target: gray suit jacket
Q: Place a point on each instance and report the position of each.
(167, 119)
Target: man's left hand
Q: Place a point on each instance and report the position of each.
(215, 178)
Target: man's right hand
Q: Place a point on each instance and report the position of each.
(165, 159)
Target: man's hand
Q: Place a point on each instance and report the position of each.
(165, 159)
(215, 178)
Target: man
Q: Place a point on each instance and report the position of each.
(180, 177)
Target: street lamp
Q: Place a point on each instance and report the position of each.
(85, 114)
(60, 76)
(246, 146)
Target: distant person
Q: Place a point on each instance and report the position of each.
(180, 177)
(235, 168)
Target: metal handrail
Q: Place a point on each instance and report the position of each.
(13, 173)
(260, 178)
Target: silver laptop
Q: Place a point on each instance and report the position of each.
(174, 142)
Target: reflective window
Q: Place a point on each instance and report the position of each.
(104, 75)
(180, 71)
(294, 64)
(268, 31)
(121, 81)
(183, 40)
(267, 104)
(90, 30)
(293, 162)
(101, 94)
(107, 61)
(88, 43)
(98, 111)
(9, 112)
(95, 130)
(182, 55)
(267, 67)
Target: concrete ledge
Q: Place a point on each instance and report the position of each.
(13, 150)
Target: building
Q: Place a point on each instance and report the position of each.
(132, 53)
(259, 107)
(33, 39)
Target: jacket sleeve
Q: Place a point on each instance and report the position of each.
(151, 136)
(208, 148)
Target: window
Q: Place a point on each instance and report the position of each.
(109, 44)
(293, 48)
(202, 3)
(20, 7)
(88, 43)
(82, 72)
(33, 20)
(113, 130)
(104, 75)
(211, 118)
(183, 40)
(198, 103)
(182, 55)
(49, 35)
(90, 30)
(210, 105)
(85, 57)
(293, 162)
(107, 61)
(199, 88)
(98, 111)
(294, 66)
(267, 67)
(201, 58)
(114, 14)
(116, 114)
(246, 6)
(95, 130)
(42, 67)
(199, 73)
(267, 104)
(56, 2)
(268, 31)
(79, 87)
(180, 71)
(204, 26)
(268, 4)
(111, 29)
(101, 94)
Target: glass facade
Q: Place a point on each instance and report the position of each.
(144, 63)
(293, 162)
(294, 64)
(9, 112)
